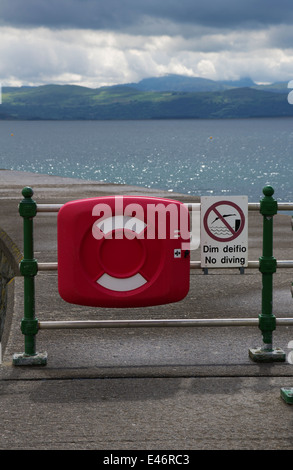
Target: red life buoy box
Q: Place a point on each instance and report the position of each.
(123, 251)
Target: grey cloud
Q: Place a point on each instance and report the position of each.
(217, 39)
(124, 14)
(280, 37)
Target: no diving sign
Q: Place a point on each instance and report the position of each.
(224, 234)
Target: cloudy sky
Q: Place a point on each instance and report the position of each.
(105, 42)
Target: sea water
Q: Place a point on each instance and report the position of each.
(196, 157)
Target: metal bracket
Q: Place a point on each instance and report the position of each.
(287, 395)
(267, 355)
(22, 359)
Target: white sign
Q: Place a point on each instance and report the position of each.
(224, 231)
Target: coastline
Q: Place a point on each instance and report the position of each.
(52, 186)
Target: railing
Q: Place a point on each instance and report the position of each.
(266, 264)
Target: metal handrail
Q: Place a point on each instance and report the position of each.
(266, 321)
(211, 322)
(252, 206)
(193, 265)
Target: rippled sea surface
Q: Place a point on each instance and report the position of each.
(197, 157)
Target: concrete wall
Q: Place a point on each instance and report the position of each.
(10, 257)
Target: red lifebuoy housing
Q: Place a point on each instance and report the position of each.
(123, 251)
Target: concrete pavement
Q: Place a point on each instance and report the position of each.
(149, 388)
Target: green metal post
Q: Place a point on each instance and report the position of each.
(29, 269)
(267, 266)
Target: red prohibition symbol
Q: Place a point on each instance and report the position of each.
(231, 224)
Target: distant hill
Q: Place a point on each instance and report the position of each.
(170, 97)
(172, 82)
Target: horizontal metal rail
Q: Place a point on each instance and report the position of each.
(192, 206)
(83, 324)
(48, 207)
(250, 265)
(47, 266)
(284, 206)
(193, 265)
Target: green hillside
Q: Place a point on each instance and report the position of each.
(65, 102)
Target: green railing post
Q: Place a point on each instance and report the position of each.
(267, 266)
(29, 269)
